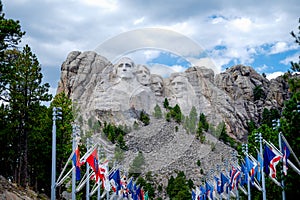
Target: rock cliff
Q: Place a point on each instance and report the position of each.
(98, 87)
(117, 93)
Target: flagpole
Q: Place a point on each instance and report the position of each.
(99, 195)
(245, 149)
(74, 134)
(53, 174)
(87, 173)
(258, 138)
(282, 181)
(290, 148)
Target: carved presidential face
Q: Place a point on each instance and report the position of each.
(178, 85)
(125, 68)
(157, 85)
(143, 75)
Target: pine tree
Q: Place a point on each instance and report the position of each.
(23, 92)
(166, 104)
(63, 130)
(157, 112)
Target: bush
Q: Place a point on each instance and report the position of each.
(157, 112)
(144, 117)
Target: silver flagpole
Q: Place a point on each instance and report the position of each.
(53, 174)
(99, 194)
(282, 181)
(74, 167)
(276, 124)
(87, 173)
(245, 150)
(258, 138)
(53, 185)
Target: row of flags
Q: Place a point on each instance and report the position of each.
(250, 169)
(109, 180)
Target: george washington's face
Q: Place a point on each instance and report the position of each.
(125, 68)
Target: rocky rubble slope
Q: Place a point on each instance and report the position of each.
(9, 191)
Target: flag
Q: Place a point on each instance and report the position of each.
(130, 185)
(259, 166)
(193, 195)
(136, 192)
(250, 168)
(232, 172)
(224, 182)
(270, 162)
(124, 187)
(104, 175)
(218, 184)
(115, 181)
(244, 177)
(202, 193)
(286, 153)
(209, 190)
(146, 197)
(141, 194)
(77, 163)
(235, 176)
(92, 159)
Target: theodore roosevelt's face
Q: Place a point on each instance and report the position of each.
(178, 85)
(157, 86)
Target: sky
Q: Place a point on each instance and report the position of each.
(162, 34)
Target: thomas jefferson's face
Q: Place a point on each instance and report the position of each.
(157, 86)
(143, 75)
(125, 69)
(179, 86)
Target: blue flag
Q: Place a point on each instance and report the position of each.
(224, 181)
(218, 183)
(130, 186)
(77, 163)
(209, 190)
(270, 162)
(259, 167)
(203, 193)
(250, 168)
(244, 178)
(193, 195)
(115, 180)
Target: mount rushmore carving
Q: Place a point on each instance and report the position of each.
(108, 91)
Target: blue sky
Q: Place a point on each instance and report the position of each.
(253, 33)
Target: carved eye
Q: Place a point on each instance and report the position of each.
(127, 65)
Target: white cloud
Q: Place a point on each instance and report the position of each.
(138, 21)
(279, 47)
(160, 69)
(106, 5)
(274, 75)
(57, 27)
(141, 56)
(262, 68)
(177, 68)
(292, 58)
(241, 24)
